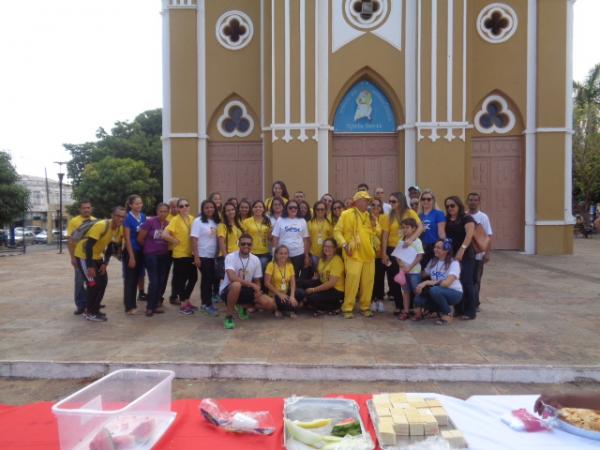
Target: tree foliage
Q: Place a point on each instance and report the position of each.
(108, 183)
(14, 197)
(127, 142)
(586, 141)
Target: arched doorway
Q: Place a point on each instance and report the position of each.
(365, 142)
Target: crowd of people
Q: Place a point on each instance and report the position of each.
(284, 256)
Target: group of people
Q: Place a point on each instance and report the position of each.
(282, 255)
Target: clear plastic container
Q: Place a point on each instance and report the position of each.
(132, 405)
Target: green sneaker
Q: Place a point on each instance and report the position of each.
(228, 323)
(367, 313)
(348, 315)
(242, 313)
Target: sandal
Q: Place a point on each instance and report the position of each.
(417, 317)
(403, 316)
(467, 318)
(334, 313)
(444, 320)
(397, 312)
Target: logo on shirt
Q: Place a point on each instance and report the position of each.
(292, 229)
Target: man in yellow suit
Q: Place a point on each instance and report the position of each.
(354, 233)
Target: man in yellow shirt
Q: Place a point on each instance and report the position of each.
(354, 233)
(85, 214)
(92, 253)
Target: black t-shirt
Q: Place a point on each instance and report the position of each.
(455, 230)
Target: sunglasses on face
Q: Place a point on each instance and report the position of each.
(393, 201)
(292, 207)
(450, 206)
(426, 199)
(184, 205)
(245, 244)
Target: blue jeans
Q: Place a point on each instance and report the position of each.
(412, 280)
(439, 299)
(157, 267)
(79, 290)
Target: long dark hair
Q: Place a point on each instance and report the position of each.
(247, 202)
(132, 198)
(335, 247)
(203, 217)
(315, 206)
(447, 246)
(308, 215)
(461, 206)
(284, 191)
(334, 219)
(401, 204)
(265, 219)
(277, 199)
(285, 209)
(236, 220)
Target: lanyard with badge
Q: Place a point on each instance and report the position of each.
(243, 271)
(320, 231)
(283, 285)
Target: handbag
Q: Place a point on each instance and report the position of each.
(400, 278)
(481, 240)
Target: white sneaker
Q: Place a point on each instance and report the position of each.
(374, 307)
(380, 306)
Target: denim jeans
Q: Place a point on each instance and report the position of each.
(157, 267)
(439, 299)
(79, 290)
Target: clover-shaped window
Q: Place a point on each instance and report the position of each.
(494, 116)
(497, 23)
(235, 121)
(366, 14)
(234, 30)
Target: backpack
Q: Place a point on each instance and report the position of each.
(81, 232)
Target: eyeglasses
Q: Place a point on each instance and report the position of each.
(451, 205)
(393, 201)
(426, 199)
(185, 205)
(245, 244)
(292, 207)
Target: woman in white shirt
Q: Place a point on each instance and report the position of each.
(292, 231)
(443, 289)
(204, 249)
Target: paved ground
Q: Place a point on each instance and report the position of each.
(537, 311)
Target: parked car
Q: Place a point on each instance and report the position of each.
(56, 233)
(26, 237)
(41, 237)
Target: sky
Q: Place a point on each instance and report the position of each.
(71, 66)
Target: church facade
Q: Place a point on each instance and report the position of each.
(452, 95)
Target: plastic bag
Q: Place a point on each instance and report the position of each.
(253, 422)
(522, 420)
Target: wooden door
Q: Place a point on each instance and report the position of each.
(235, 169)
(364, 159)
(497, 174)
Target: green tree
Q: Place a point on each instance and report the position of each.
(14, 198)
(138, 140)
(110, 181)
(586, 141)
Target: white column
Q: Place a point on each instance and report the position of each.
(302, 24)
(531, 125)
(449, 66)
(322, 68)
(569, 118)
(410, 89)
(202, 137)
(434, 135)
(166, 111)
(287, 67)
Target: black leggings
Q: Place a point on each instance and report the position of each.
(184, 277)
(392, 270)
(378, 283)
(207, 270)
(130, 283)
(285, 306)
(328, 301)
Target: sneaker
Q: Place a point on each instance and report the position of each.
(142, 297)
(79, 311)
(186, 311)
(149, 313)
(380, 306)
(367, 313)
(101, 314)
(348, 315)
(174, 301)
(374, 304)
(278, 314)
(96, 318)
(215, 299)
(228, 323)
(159, 310)
(293, 315)
(242, 313)
(192, 307)
(210, 310)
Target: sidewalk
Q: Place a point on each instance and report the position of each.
(538, 323)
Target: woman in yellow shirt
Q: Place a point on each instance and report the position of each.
(378, 284)
(259, 227)
(278, 190)
(337, 208)
(319, 229)
(327, 291)
(280, 283)
(229, 231)
(392, 235)
(244, 209)
(184, 270)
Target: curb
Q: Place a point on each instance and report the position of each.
(310, 372)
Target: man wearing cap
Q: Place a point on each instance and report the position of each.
(354, 233)
(414, 192)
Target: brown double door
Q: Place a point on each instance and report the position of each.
(235, 169)
(497, 174)
(364, 159)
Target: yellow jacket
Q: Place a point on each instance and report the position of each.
(355, 229)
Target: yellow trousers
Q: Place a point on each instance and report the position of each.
(359, 280)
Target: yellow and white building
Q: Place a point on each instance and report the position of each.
(455, 95)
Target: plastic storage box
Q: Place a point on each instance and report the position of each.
(130, 408)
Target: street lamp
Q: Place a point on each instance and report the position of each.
(60, 198)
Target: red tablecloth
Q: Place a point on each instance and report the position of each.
(34, 426)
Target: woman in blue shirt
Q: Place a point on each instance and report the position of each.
(133, 256)
(434, 224)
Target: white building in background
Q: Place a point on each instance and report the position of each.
(44, 201)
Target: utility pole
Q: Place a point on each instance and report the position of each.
(60, 203)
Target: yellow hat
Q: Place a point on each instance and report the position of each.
(361, 194)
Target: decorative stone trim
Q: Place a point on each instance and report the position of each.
(494, 116)
(234, 30)
(366, 14)
(235, 121)
(497, 23)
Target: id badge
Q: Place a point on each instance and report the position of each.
(320, 241)
(242, 274)
(283, 286)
